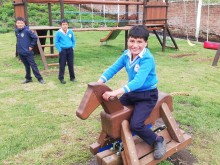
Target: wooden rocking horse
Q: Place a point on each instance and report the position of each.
(115, 126)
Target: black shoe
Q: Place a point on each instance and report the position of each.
(42, 81)
(73, 79)
(26, 81)
(63, 82)
(159, 149)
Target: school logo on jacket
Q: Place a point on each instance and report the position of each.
(136, 67)
(70, 35)
(22, 34)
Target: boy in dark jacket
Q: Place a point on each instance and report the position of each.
(26, 40)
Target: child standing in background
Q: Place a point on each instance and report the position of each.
(26, 40)
(65, 44)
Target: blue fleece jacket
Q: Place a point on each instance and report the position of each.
(64, 40)
(141, 71)
(25, 39)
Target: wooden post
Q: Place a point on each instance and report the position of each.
(25, 12)
(19, 9)
(137, 9)
(216, 58)
(126, 38)
(50, 14)
(51, 24)
(61, 9)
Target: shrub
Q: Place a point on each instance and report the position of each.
(4, 30)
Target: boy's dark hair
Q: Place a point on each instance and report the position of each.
(20, 19)
(63, 21)
(139, 31)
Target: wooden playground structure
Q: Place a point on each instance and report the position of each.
(127, 148)
(153, 16)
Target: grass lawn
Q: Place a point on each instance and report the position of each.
(38, 122)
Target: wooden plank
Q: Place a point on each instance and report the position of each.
(171, 124)
(155, 114)
(149, 26)
(143, 148)
(19, 10)
(102, 140)
(172, 148)
(45, 36)
(88, 2)
(51, 55)
(99, 156)
(112, 160)
(216, 58)
(124, 159)
(53, 64)
(128, 143)
(41, 52)
(155, 12)
(47, 45)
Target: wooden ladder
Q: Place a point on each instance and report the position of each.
(41, 48)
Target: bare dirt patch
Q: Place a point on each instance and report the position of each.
(182, 55)
(183, 157)
(204, 59)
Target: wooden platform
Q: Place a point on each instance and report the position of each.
(42, 33)
(128, 27)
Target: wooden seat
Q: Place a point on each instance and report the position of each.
(110, 122)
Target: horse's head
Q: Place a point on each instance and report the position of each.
(93, 98)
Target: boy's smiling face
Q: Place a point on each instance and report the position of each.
(20, 24)
(136, 45)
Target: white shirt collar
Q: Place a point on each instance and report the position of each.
(63, 31)
(140, 54)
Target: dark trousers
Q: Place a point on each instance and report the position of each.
(143, 103)
(29, 63)
(66, 56)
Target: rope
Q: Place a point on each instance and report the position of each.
(187, 36)
(92, 16)
(118, 13)
(207, 22)
(80, 19)
(104, 14)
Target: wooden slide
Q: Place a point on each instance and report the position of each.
(114, 33)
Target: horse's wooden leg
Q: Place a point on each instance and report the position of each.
(128, 143)
(94, 148)
(171, 124)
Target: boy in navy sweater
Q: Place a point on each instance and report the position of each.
(26, 40)
(141, 90)
(65, 44)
